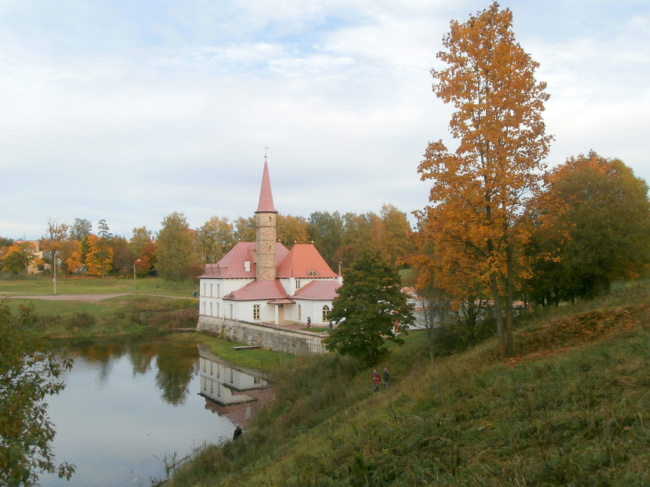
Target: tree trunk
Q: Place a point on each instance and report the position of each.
(510, 349)
(498, 314)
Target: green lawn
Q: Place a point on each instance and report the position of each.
(88, 285)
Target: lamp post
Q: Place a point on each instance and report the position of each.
(54, 268)
(135, 283)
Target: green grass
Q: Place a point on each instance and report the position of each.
(257, 358)
(129, 314)
(572, 408)
(89, 285)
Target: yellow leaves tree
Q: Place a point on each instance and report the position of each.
(100, 256)
(292, 230)
(479, 191)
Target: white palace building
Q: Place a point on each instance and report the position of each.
(263, 282)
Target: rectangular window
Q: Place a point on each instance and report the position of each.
(297, 284)
(256, 311)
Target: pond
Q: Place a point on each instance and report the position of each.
(130, 408)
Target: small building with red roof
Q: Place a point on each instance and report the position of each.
(264, 282)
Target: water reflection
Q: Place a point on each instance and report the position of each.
(175, 370)
(231, 391)
(127, 405)
(175, 364)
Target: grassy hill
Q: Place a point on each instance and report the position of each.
(572, 408)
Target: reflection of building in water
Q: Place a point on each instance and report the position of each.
(232, 392)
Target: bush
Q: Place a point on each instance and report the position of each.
(81, 321)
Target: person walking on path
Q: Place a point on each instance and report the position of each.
(386, 375)
(308, 322)
(237, 432)
(376, 380)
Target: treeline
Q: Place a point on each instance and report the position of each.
(586, 226)
(178, 252)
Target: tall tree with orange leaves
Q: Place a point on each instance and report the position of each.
(479, 190)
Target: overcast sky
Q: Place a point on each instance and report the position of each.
(130, 110)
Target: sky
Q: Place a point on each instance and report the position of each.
(129, 111)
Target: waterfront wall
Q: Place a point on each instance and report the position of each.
(266, 336)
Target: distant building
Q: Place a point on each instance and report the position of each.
(265, 282)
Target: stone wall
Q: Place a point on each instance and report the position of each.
(266, 336)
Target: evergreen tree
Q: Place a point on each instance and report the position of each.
(369, 304)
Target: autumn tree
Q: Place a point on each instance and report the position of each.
(6, 242)
(55, 234)
(397, 230)
(28, 375)
(17, 258)
(80, 229)
(292, 230)
(70, 255)
(99, 260)
(123, 256)
(176, 250)
(73, 262)
(144, 250)
(479, 190)
(356, 235)
(325, 230)
(369, 303)
(216, 237)
(593, 226)
(245, 229)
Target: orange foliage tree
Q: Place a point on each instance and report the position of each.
(480, 189)
(592, 227)
(100, 256)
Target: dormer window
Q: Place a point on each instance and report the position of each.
(247, 265)
(312, 273)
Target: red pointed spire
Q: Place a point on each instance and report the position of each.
(266, 197)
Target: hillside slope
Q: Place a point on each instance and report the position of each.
(573, 408)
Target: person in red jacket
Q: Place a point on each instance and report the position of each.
(376, 379)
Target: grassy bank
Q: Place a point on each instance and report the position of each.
(43, 285)
(121, 315)
(258, 358)
(572, 408)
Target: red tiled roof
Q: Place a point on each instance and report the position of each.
(233, 264)
(303, 261)
(258, 290)
(318, 291)
(266, 197)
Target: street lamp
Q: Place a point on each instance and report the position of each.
(135, 283)
(54, 267)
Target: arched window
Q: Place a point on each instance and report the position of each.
(299, 312)
(312, 273)
(326, 312)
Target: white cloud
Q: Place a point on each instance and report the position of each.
(129, 111)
